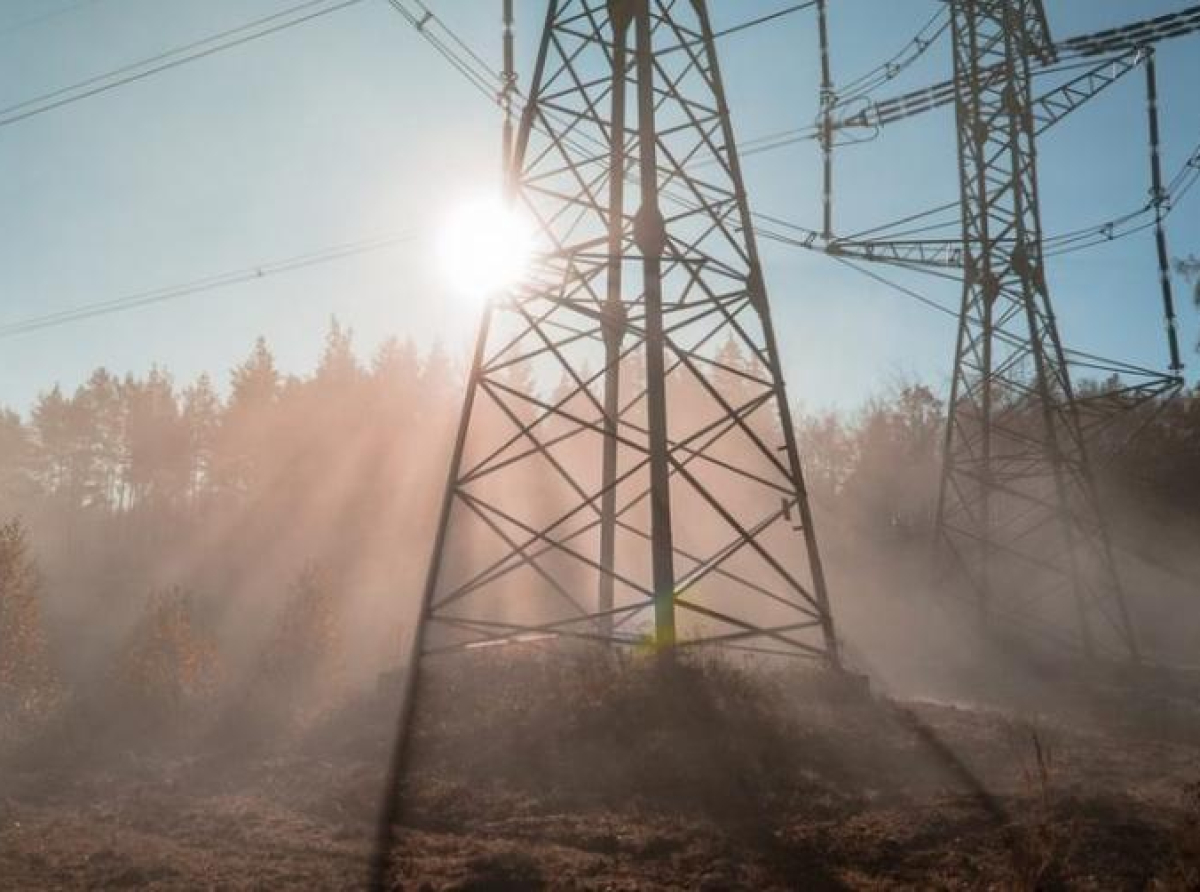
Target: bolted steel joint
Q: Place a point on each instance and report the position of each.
(620, 14)
(650, 231)
(756, 288)
(612, 321)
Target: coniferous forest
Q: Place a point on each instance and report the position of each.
(203, 530)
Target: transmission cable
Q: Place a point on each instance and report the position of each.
(762, 20)
(170, 59)
(890, 70)
(472, 67)
(208, 283)
(892, 67)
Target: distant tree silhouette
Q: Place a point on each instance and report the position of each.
(18, 451)
(200, 416)
(244, 446)
(338, 367)
(894, 479)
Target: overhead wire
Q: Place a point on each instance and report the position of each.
(172, 58)
(853, 91)
(1069, 54)
(891, 68)
(207, 283)
(473, 67)
(763, 19)
(278, 21)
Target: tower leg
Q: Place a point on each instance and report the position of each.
(650, 235)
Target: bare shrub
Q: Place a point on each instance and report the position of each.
(1043, 842)
(169, 665)
(27, 683)
(299, 666)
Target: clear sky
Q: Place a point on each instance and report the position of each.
(350, 126)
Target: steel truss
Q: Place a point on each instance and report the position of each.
(1018, 509)
(625, 468)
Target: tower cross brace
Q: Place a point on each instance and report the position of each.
(625, 468)
(1018, 509)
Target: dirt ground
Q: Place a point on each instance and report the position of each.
(628, 784)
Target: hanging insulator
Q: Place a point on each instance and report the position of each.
(1158, 199)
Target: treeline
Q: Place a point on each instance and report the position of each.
(880, 466)
(160, 524)
(293, 509)
(144, 446)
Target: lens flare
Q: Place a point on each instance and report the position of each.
(484, 248)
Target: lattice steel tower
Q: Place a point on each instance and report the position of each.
(1018, 505)
(626, 450)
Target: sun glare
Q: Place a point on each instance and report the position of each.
(484, 248)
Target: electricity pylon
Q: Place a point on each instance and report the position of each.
(625, 469)
(1018, 506)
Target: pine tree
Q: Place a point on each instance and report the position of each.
(244, 446)
(338, 367)
(103, 404)
(18, 460)
(201, 418)
(157, 442)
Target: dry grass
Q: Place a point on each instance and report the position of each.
(586, 770)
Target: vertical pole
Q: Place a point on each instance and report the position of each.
(1159, 197)
(826, 137)
(508, 86)
(651, 237)
(614, 313)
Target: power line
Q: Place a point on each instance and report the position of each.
(472, 66)
(892, 67)
(763, 19)
(197, 286)
(469, 67)
(173, 58)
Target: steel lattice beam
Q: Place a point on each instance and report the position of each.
(1018, 510)
(1116, 42)
(626, 453)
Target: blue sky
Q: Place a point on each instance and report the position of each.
(351, 127)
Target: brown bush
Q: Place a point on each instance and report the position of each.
(27, 680)
(169, 665)
(299, 665)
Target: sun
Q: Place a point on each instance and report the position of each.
(484, 248)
